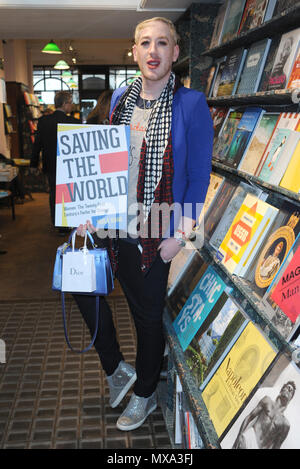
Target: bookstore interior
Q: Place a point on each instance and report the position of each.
(232, 312)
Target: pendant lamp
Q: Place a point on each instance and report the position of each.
(51, 48)
(61, 65)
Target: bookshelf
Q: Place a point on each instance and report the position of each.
(277, 101)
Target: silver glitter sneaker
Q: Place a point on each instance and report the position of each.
(120, 382)
(136, 412)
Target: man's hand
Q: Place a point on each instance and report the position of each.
(168, 249)
(81, 230)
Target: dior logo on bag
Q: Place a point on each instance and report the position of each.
(74, 271)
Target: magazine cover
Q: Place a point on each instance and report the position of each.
(275, 248)
(222, 144)
(291, 180)
(198, 306)
(92, 175)
(231, 210)
(233, 19)
(242, 136)
(246, 233)
(214, 338)
(253, 67)
(237, 375)
(284, 60)
(217, 209)
(283, 295)
(185, 281)
(279, 156)
(259, 141)
(271, 418)
(231, 72)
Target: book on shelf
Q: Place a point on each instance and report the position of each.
(178, 264)
(283, 5)
(284, 60)
(194, 440)
(218, 207)
(282, 298)
(219, 24)
(279, 156)
(232, 209)
(222, 144)
(215, 338)
(214, 186)
(231, 72)
(217, 70)
(256, 12)
(218, 115)
(294, 81)
(247, 232)
(264, 82)
(237, 375)
(233, 20)
(275, 399)
(275, 248)
(7, 110)
(286, 120)
(198, 306)
(253, 67)
(242, 136)
(259, 140)
(185, 278)
(178, 409)
(290, 179)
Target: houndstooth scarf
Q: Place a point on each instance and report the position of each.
(157, 133)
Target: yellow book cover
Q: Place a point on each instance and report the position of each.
(291, 180)
(243, 231)
(236, 377)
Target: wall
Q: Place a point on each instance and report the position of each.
(16, 65)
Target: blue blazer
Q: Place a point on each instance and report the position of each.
(192, 139)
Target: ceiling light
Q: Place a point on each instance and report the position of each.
(61, 65)
(51, 48)
(129, 53)
(66, 74)
(74, 60)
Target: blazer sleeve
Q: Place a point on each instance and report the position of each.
(199, 138)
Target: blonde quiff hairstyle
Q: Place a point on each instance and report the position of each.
(168, 22)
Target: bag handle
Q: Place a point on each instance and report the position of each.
(73, 236)
(65, 325)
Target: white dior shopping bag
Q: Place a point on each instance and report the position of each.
(78, 271)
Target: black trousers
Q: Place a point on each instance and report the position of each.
(145, 295)
(52, 188)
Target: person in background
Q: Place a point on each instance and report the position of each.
(46, 143)
(100, 113)
(171, 135)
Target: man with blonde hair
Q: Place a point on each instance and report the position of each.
(170, 163)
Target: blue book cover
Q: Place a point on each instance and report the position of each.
(254, 66)
(242, 136)
(198, 306)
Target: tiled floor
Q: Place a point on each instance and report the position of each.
(51, 397)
